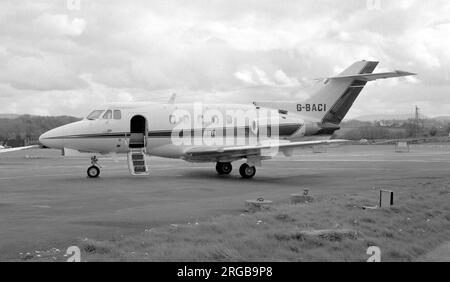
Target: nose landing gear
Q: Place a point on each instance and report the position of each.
(94, 170)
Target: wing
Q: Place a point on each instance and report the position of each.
(7, 150)
(237, 151)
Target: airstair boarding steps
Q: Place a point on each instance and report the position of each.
(137, 162)
(137, 140)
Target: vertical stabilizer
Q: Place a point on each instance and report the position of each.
(338, 95)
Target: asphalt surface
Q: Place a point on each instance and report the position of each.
(46, 201)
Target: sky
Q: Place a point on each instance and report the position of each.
(65, 57)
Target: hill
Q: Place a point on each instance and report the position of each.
(26, 129)
(444, 119)
(376, 117)
(9, 116)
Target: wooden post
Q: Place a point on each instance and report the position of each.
(386, 198)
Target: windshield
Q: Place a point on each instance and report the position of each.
(95, 114)
(108, 114)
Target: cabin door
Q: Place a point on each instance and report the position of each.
(138, 132)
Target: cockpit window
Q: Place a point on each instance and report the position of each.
(117, 114)
(107, 115)
(95, 114)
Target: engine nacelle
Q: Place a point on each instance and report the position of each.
(314, 128)
(294, 127)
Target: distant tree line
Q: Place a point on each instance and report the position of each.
(356, 130)
(26, 129)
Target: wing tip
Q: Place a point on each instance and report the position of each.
(405, 73)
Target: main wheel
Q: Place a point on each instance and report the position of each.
(93, 171)
(247, 171)
(224, 168)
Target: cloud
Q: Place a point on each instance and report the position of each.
(285, 80)
(246, 76)
(55, 60)
(61, 24)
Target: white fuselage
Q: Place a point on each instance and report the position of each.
(230, 124)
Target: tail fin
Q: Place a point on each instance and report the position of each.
(338, 95)
(330, 104)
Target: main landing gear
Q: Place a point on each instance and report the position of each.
(224, 168)
(94, 170)
(247, 171)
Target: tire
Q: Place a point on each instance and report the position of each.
(224, 168)
(247, 171)
(93, 171)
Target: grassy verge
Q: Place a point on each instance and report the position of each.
(419, 222)
(416, 225)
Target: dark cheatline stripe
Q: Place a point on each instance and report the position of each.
(93, 135)
(284, 130)
(162, 133)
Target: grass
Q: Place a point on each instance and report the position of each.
(419, 221)
(417, 224)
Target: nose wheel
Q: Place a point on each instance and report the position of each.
(247, 171)
(94, 170)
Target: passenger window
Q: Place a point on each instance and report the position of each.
(172, 119)
(117, 114)
(107, 115)
(215, 120)
(229, 119)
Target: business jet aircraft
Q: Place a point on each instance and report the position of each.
(215, 133)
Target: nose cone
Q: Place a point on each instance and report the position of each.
(52, 139)
(60, 137)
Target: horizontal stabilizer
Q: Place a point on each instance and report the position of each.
(372, 76)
